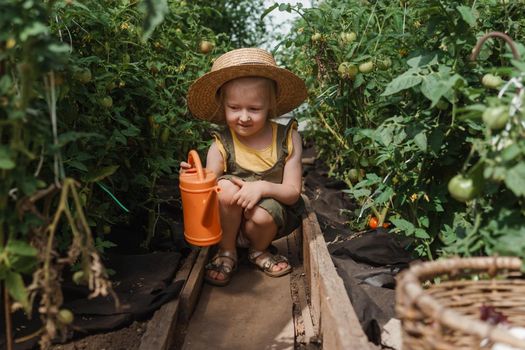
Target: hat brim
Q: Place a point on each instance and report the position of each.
(202, 95)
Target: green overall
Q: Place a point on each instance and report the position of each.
(286, 217)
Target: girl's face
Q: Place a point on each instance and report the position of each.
(246, 105)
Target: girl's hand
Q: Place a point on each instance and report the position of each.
(249, 194)
(184, 165)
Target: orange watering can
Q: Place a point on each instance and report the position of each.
(200, 204)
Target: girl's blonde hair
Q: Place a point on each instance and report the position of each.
(272, 89)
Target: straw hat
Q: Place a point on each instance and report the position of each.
(250, 62)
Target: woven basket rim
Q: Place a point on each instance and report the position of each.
(409, 286)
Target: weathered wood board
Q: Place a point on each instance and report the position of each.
(333, 316)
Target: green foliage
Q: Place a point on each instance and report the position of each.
(95, 91)
(239, 20)
(413, 120)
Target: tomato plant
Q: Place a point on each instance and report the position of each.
(411, 115)
(92, 119)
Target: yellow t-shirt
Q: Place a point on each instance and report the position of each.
(253, 159)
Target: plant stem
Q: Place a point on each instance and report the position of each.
(427, 248)
(381, 217)
(332, 131)
(7, 313)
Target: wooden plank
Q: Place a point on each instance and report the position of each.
(161, 326)
(303, 326)
(339, 326)
(191, 291)
(311, 267)
(309, 331)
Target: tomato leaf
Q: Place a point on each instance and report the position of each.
(77, 165)
(16, 288)
(421, 233)
(20, 248)
(434, 89)
(467, 14)
(101, 173)
(5, 84)
(400, 83)
(510, 152)
(515, 179)
(404, 226)
(384, 196)
(269, 9)
(34, 29)
(6, 162)
(421, 141)
(423, 60)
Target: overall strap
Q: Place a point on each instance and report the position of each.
(282, 138)
(226, 139)
(275, 173)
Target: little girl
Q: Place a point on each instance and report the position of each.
(257, 161)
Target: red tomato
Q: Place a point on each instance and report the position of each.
(373, 222)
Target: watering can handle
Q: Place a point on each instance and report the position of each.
(195, 161)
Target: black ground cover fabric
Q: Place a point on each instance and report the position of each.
(368, 262)
(368, 265)
(142, 283)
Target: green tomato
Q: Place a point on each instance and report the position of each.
(348, 38)
(65, 316)
(83, 75)
(205, 46)
(385, 63)
(111, 85)
(351, 71)
(106, 102)
(316, 37)
(496, 118)
(354, 175)
(462, 188)
(442, 105)
(342, 69)
(79, 277)
(366, 67)
(491, 81)
(347, 70)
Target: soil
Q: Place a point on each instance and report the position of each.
(127, 338)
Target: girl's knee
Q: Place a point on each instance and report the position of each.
(259, 217)
(228, 189)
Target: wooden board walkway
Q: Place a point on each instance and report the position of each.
(308, 309)
(252, 312)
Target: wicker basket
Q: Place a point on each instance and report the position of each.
(446, 315)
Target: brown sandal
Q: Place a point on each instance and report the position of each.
(266, 261)
(221, 267)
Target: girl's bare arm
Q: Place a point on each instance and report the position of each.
(214, 160)
(287, 192)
